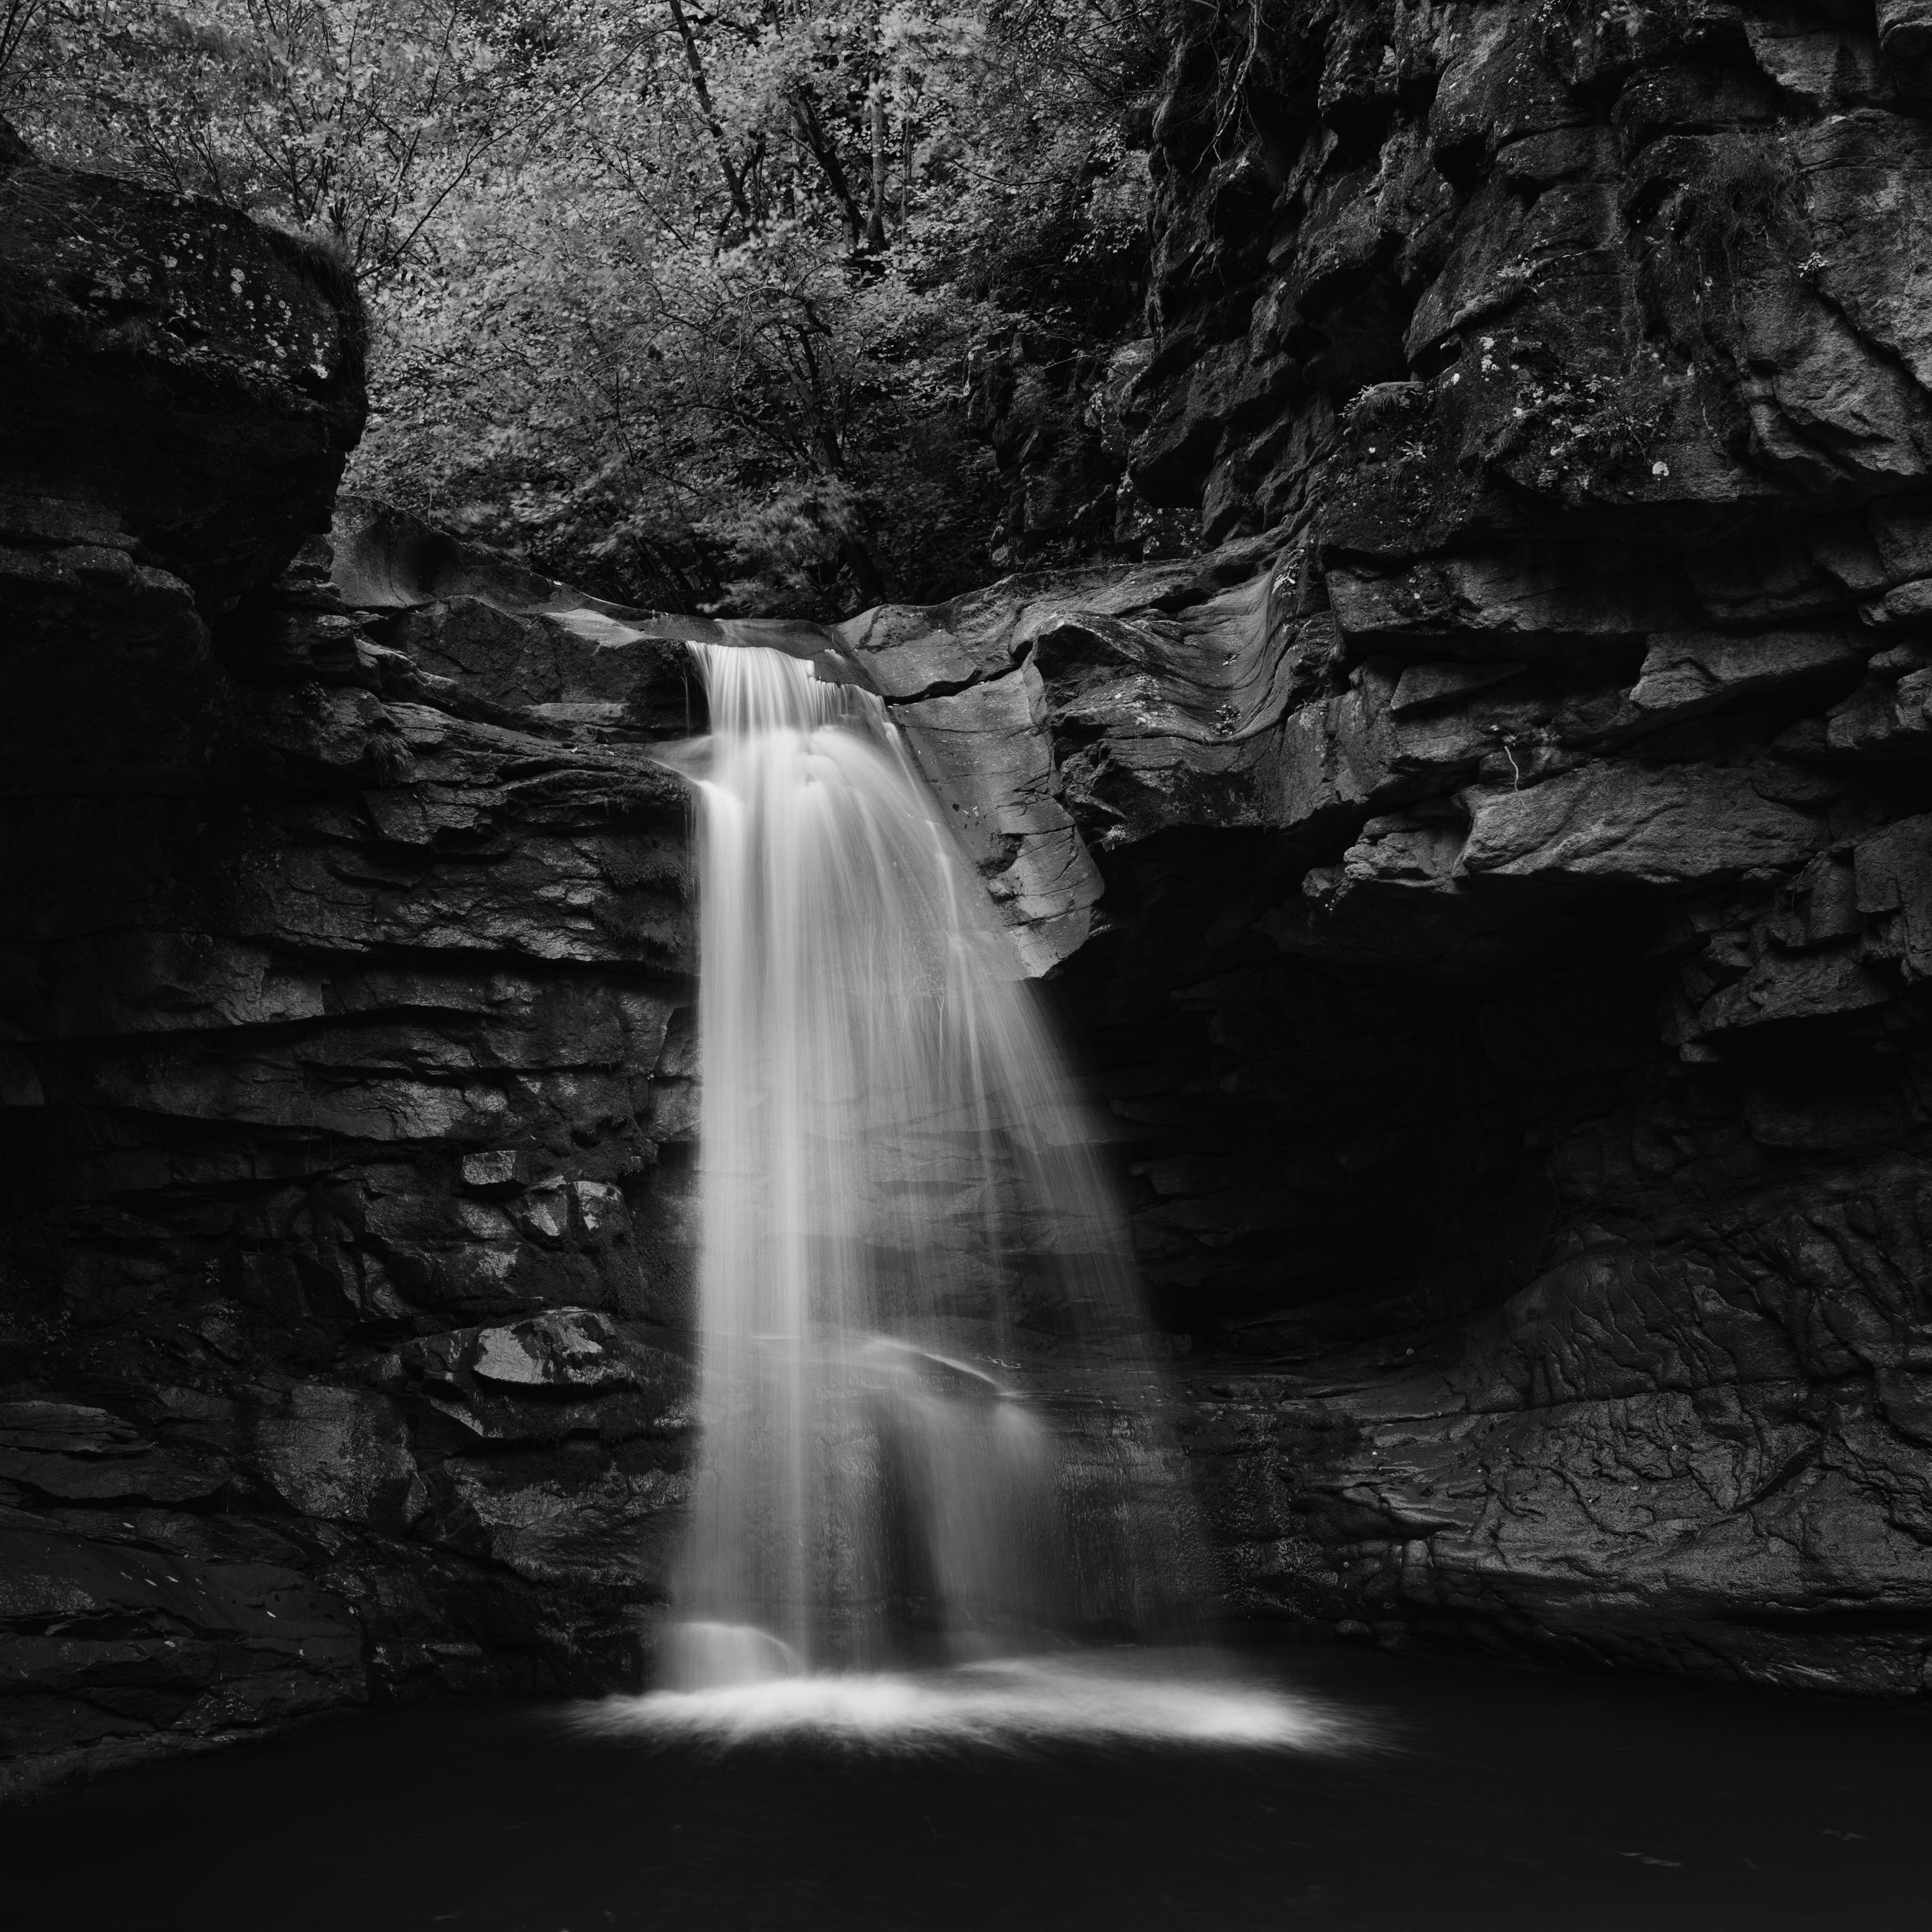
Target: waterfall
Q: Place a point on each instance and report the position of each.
(926, 1400)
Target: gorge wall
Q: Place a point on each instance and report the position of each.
(1507, 867)
(344, 963)
(1564, 1018)
(1489, 873)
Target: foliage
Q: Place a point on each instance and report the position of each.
(1743, 202)
(357, 118)
(675, 296)
(1728, 235)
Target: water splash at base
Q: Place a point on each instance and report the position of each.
(1148, 1698)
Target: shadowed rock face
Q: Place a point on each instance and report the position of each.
(1493, 884)
(346, 1132)
(196, 377)
(1520, 1066)
(344, 970)
(1532, 1090)
(182, 389)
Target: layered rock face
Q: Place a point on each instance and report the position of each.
(1518, 875)
(343, 1051)
(1535, 1169)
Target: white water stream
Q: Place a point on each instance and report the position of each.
(929, 1440)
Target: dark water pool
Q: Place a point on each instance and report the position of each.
(1495, 1798)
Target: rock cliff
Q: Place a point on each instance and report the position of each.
(1489, 870)
(344, 967)
(1509, 869)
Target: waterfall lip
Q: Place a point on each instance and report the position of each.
(817, 645)
(386, 558)
(611, 627)
(695, 759)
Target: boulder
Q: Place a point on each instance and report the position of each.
(194, 376)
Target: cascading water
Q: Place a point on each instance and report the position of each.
(924, 1398)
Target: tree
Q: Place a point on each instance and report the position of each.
(674, 296)
(357, 119)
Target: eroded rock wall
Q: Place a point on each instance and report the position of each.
(1510, 860)
(344, 993)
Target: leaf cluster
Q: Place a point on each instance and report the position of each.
(674, 296)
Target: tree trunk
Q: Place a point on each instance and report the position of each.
(700, 86)
(810, 133)
(873, 584)
(875, 225)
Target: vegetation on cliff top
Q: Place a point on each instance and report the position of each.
(675, 297)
